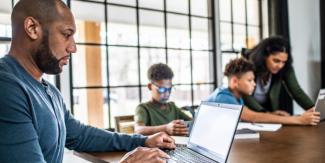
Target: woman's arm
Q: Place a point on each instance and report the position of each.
(310, 117)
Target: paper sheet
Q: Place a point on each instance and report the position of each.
(259, 126)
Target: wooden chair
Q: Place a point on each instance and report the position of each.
(191, 109)
(125, 124)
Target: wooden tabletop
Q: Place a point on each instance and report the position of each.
(296, 144)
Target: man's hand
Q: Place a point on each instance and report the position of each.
(160, 140)
(143, 154)
(176, 127)
(309, 117)
(281, 113)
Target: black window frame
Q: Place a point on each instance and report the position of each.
(211, 49)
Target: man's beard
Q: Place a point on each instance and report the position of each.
(44, 58)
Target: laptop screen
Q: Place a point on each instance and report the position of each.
(214, 128)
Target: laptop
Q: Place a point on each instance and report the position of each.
(320, 104)
(211, 136)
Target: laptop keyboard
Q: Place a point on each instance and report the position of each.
(182, 154)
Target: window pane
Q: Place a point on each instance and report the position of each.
(201, 34)
(225, 10)
(152, 32)
(253, 36)
(201, 7)
(89, 66)
(178, 31)
(202, 67)
(5, 29)
(226, 36)
(181, 95)
(123, 2)
(122, 29)
(201, 92)
(90, 106)
(123, 66)
(4, 49)
(149, 57)
(179, 62)
(146, 94)
(90, 24)
(239, 11)
(226, 57)
(180, 6)
(253, 12)
(96, 0)
(6, 7)
(239, 37)
(5, 21)
(154, 4)
(123, 102)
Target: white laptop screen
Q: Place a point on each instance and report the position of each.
(214, 129)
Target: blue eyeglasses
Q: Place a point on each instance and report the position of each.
(162, 90)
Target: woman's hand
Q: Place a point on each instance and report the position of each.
(309, 117)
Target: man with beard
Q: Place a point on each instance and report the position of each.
(35, 124)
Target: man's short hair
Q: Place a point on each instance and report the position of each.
(45, 11)
(238, 67)
(160, 71)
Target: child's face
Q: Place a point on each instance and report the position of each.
(246, 83)
(161, 90)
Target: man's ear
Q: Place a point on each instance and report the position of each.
(234, 80)
(149, 86)
(32, 28)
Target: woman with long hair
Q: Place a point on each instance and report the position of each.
(273, 63)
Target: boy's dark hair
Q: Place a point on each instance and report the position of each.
(159, 71)
(238, 67)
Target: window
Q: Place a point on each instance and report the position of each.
(119, 39)
(5, 27)
(240, 27)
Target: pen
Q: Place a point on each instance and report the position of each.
(255, 124)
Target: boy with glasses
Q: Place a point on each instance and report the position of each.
(159, 114)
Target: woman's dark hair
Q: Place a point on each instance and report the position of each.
(160, 71)
(265, 48)
(238, 67)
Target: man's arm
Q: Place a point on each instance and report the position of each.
(81, 137)
(18, 137)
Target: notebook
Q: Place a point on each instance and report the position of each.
(247, 134)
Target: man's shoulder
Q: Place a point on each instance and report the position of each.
(8, 78)
(7, 73)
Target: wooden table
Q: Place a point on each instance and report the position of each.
(296, 144)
